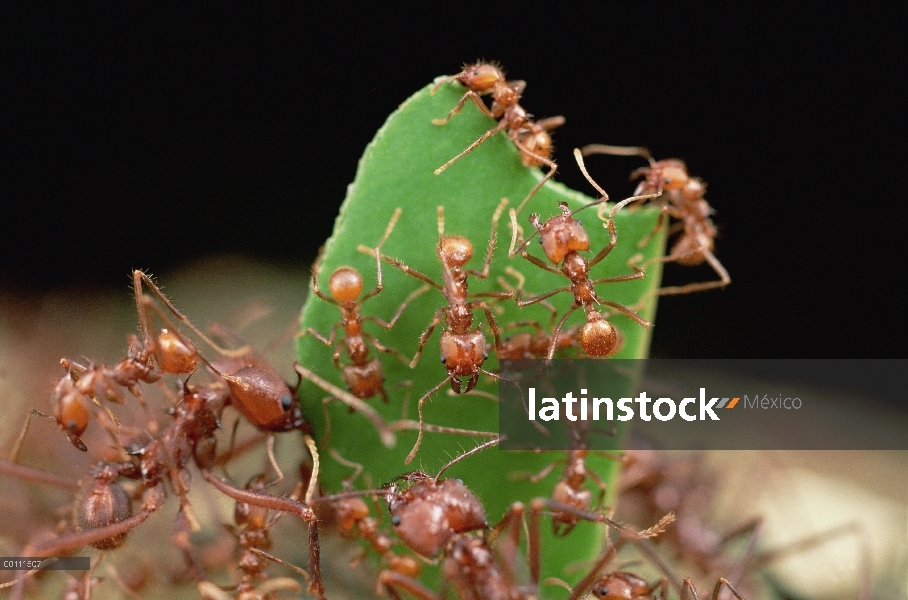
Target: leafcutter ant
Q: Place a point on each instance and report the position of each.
(363, 375)
(563, 238)
(532, 138)
(463, 348)
(681, 198)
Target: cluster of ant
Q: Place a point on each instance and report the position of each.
(435, 518)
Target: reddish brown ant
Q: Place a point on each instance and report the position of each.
(364, 376)
(623, 585)
(562, 238)
(253, 531)
(83, 385)
(351, 515)
(526, 345)
(435, 516)
(531, 138)
(190, 437)
(463, 348)
(681, 199)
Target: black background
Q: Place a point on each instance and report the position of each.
(144, 138)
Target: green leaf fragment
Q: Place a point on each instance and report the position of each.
(396, 170)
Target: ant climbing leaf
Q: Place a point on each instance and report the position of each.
(397, 171)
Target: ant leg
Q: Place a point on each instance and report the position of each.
(642, 322)
(470, 95)
(410, 425)
(422, 401)
(640, 151)
(557, 331)
(538, 476)
(705, 285)
(38, 476)
(265, 500)
(496, 216)
(541, 297)
(722, 581)
(600, 497)
(552, 168)
(138, 278)
(500, 127)
(496, 332)
(273, 461)
(660, 223)
(627, 201)
(73, 541)
(427, 333)
(613, 241)
(631, 277)
(387, 349)
(523, 401)
(378, 286)
(400, 265)
(400, 309)
(329, 341)
(350, 400)
(390, 580)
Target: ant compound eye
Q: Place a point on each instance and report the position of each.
(459, 480)
(395, 520)
(580, 223)
(286, 402)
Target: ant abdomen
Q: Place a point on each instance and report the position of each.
(105, 503)
(598, 337)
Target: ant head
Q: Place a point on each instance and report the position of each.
(71, 411)
(480, 77)
(562, 235)
(345, 284)
(620, 586)
(598, 337)
(671, 174)
(261, 396)
(455, 250)
(427, 513)
(175, 353)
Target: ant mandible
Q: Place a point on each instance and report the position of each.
(682, 199)
(532, 138)
(463, 348)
